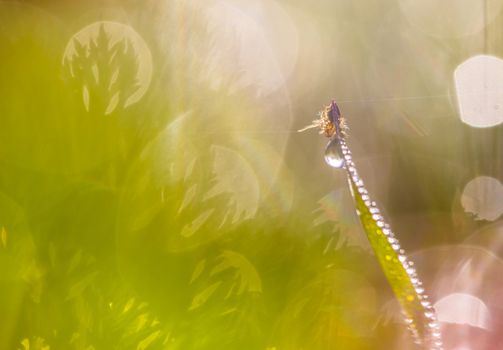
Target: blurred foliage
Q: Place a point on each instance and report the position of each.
(121, 234)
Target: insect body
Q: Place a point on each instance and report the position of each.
(330, 122)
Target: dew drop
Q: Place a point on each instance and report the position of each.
(332, 154)
(377, 217)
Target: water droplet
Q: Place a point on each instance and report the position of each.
(332, 154)
(377, 217)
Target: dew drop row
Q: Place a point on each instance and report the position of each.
(338, 155)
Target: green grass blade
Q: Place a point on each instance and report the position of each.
(398, 269)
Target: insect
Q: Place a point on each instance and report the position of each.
(330, 122)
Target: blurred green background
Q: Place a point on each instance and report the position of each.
(154, 193)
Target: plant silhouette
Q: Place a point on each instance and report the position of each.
(104, 72)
